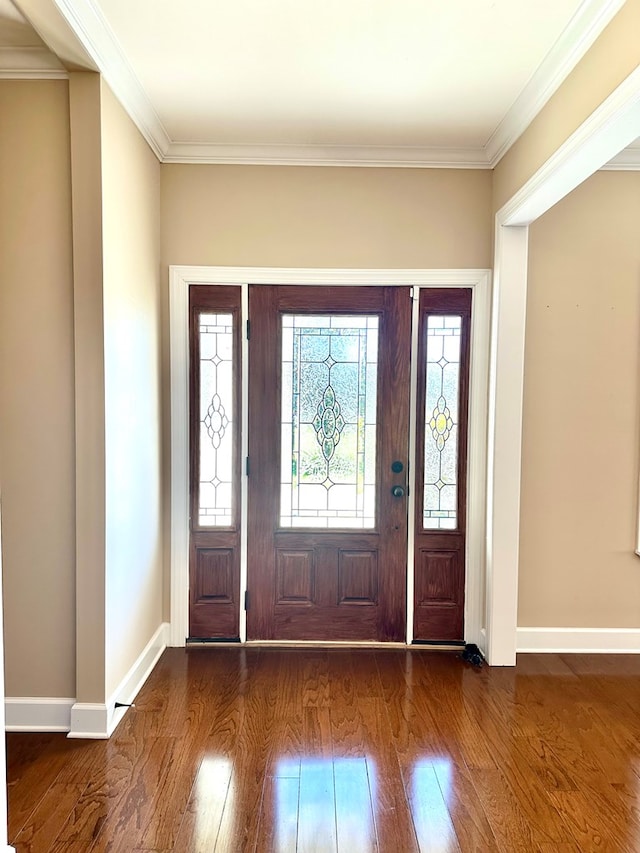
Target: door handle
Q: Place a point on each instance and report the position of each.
(397, 491)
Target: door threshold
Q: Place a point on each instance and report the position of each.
(321, 644)
(345, 644)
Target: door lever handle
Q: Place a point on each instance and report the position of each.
(397, 491)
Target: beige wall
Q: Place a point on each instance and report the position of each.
(106, 453)
(37, 389)
(613, 56)
(131, 249)
(581, 411)
(325, 217)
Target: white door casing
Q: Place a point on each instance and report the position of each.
(181, 278)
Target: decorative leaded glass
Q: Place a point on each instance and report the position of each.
(441, 423)
(216, 420)
(329, 384)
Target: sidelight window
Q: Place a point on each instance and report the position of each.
(216, 420)
(441, 422)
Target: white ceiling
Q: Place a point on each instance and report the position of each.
(339, 72)
(400, 82)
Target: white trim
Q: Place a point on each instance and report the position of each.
(186, 275)
(506, 382)
(578, 36)
(30, 63)
(244, 482)
(99, 720)
(181, 277)
(91, 720)
(579, 640)
(626, 161)
(89, 25)
(130, 685)
(37, 714)
(614, 125)
(179, 361)
(407, 157)
(412, 482)
(3, 753)
(611, 127)
(479, 402)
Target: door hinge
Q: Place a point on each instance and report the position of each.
(248, 329)
(246, 466)
(246, 599)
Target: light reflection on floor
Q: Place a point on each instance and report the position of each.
(213, 794)
(330, 799)
(323, 803)
(429, 794)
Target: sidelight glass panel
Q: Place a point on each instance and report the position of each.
(216, 420)
(441, 423)
(329, 387)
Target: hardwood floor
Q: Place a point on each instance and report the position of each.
(246, 749)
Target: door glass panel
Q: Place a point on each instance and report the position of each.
(216, 420)
(328, 442)
(441, 423)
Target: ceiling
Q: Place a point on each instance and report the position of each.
(369, 82)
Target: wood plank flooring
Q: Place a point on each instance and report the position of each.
(248, 749)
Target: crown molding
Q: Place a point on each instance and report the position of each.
(611, 127)
(91, 28)
(30, 63)
(328, 155)
(626, 161)
(575, 40)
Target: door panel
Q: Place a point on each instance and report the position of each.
(441, 464)
(214, 462)
(329, 383)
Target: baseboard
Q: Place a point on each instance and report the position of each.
(579, 640)
(99, 721)
(130, 685)
(37, 714)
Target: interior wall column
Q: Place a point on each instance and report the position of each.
(505, 442)
(86, 186)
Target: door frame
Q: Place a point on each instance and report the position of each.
(479, 280)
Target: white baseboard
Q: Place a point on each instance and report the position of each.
(130, 685)
(99, 721)
(37, 714)
(89, 720)
(584, 640)
(83, 719)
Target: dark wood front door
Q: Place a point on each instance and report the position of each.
(329, 468)
(328, 458)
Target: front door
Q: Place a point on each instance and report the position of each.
(328, 465)
(328, 453)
